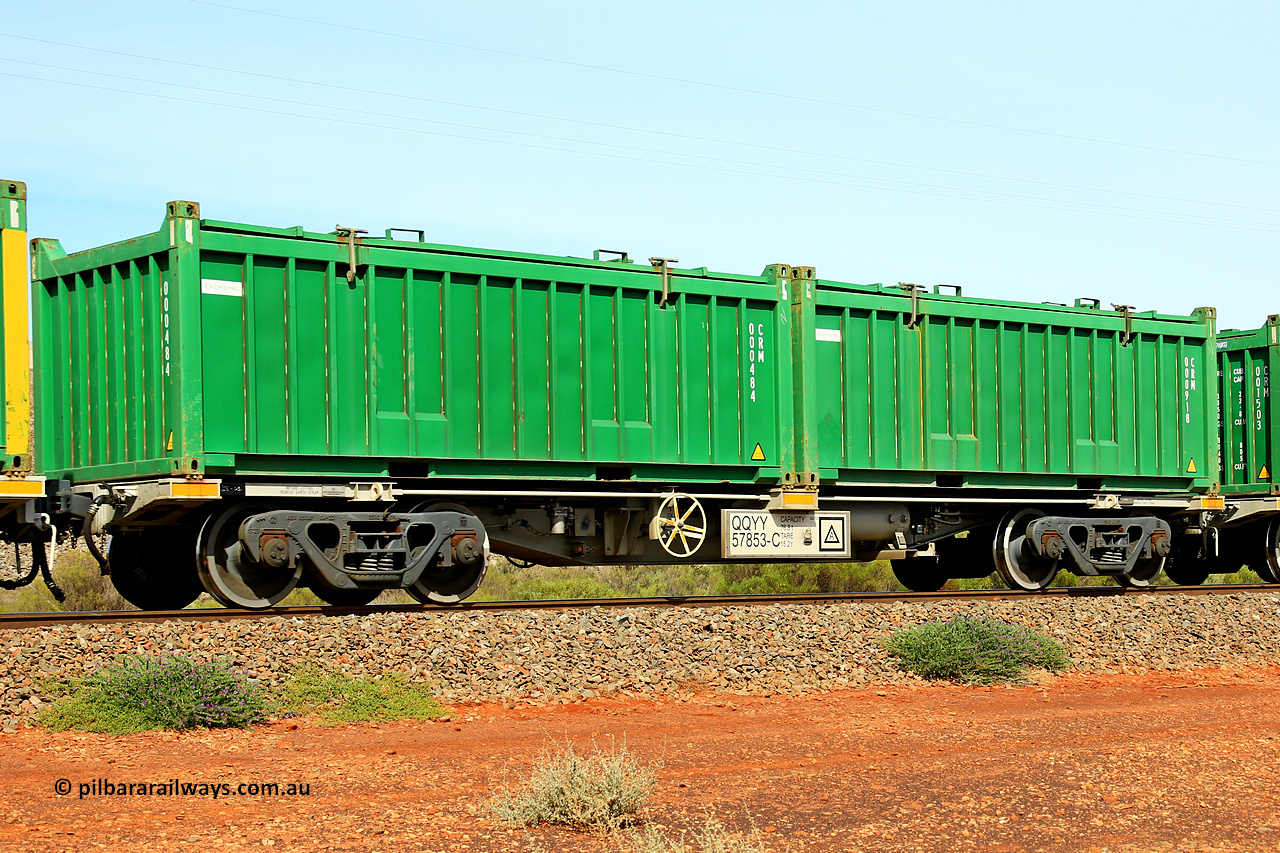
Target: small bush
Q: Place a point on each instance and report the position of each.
(338, 698)
(140, 694)
(711, 838)
(974, 650)
(80, 579)
(603, 790)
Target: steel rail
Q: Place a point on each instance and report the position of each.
(17, 621)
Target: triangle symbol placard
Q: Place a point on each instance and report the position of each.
(1264, 474)
(1191, 467)
(757, 455)
(832, 538)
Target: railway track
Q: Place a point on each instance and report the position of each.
(15, 621)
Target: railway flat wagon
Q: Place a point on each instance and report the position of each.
(245, 409)
(286, 406)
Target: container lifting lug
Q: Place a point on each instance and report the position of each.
(1128, 323)
(913, 290)
(662, 266)
(350, 234)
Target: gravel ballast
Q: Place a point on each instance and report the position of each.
(561, 656)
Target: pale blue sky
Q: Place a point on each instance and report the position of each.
(1121, 150)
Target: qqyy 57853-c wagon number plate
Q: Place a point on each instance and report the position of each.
(760, 533)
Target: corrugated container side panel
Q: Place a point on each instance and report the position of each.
(1246, 414)
(603, 437)
(425, 331)
(348, 332)
(113, 318)
(632, 378)
(532, 349)
(991, 388)
(1147, 415)
(475, 365)
(695, 395)
(462, 370)
(762, 420)
(1175, 446)
(1033, 426)
(309, 425)
(496, 358)
(270, 400)
(109, 319)
(830, 365)
(1260, 420)
(1057, 415)
(727, 339)
(569, 372)
(388, 298)
(1080, 399)
(884, 384)
(1122, 402)
(1009, 455)
(225, 385)
(999, 394)
(661, 361)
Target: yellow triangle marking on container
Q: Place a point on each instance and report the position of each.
(169, 443)
(1191, 467)
(1264, 474)
(757, 455)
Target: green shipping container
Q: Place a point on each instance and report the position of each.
(227, 348)
(1246, 360)
(942, 390)
(233, 349)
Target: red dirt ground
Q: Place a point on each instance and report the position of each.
(1173, 761)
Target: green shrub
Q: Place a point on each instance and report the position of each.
(338, 698)
(140, 693)
(974, 650)
(603, 790)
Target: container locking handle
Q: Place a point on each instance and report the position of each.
(913, 290)
(350, 234)
(662, 266)
(1128, 322)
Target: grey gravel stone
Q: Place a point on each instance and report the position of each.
(551, 656)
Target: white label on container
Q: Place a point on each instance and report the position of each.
(218, 287)
(762, 533)
(13, 213)
(189, 231)
(832, 335)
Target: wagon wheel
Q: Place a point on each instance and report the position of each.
(440, 584)
(920, 574)
(1017, 563)
(1146, 570)
(682, 525)
(1268, 567)
(227, 572)
(154, 569)
(1187, 571)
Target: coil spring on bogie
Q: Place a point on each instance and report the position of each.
(384, 562)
